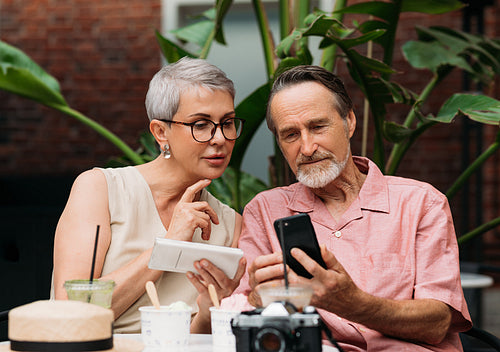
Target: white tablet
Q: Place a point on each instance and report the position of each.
(179, 256)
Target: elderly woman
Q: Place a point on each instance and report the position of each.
(190, 105)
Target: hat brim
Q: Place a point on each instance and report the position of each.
(120, 344)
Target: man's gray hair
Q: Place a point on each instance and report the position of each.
(167, 85)
(310, 73)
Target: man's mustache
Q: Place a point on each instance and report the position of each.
(316, 156)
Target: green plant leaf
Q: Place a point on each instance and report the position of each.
(432, 7)
(479, 108)
(396, 133)
(366, 64)
(21, 75)
(253, 110)
(222, 7)
(171, 51)
(197, 33)
(431, 56)
(148, 142)
(380, 9)
(223, 188)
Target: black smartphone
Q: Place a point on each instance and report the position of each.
(298, 231)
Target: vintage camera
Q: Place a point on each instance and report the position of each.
(278, 327)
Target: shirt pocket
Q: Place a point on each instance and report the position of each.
(387, 275)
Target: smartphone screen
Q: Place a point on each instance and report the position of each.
(298, 231)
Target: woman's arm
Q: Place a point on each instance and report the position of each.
(86, 208)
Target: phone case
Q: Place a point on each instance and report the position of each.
(179, 256)
(298, 231)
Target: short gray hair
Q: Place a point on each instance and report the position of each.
(167, 85)
(310, 73)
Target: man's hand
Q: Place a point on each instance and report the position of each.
(333, 288)
(423, 320)
(188, 215)
(264, 268)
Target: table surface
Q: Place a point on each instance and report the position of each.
(472, 280)
(197, 343)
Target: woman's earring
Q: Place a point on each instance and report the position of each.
(166, 151)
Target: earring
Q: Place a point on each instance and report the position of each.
(166, 151)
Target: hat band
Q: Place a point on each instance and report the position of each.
(95, 345)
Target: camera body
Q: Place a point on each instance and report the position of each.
(278, 327)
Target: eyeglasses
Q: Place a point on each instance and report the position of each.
(204, 130)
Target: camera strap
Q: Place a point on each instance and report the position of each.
(329, 335)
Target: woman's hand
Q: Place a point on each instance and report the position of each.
(189, 214)
(210, 274)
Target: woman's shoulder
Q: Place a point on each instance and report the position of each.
(90, 178)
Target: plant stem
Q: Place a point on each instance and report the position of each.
(329, 54)
(284, 18)
(399, 149)
(103, 131)
(455, 187)
(206, 48)
(391, 34)
(266, 36)
(479, 230)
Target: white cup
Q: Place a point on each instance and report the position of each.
(222, 335)
(165, 329)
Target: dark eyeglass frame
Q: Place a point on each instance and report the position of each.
(191, 124)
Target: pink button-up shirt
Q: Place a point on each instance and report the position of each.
(396, 241)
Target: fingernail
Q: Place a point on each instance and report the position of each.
(204, 263)
(189, 274)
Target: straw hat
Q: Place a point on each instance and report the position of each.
(64, 326)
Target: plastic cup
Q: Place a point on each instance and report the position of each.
(98, 292)
(165, 329)
(222, 335)
(297, 294)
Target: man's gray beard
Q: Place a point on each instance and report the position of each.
(319, 176)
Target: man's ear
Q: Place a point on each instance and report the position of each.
(159, 131)
(351, 123)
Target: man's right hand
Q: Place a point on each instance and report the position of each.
(264, 269)
(189, 214)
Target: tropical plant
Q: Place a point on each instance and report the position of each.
(438, 49)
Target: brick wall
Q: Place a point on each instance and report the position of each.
(103, 52)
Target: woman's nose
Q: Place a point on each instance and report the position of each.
(218, 135)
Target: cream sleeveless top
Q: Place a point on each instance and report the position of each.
(135, 223)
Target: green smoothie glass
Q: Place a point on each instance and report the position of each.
(97, 292)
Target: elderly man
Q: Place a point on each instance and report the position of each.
(392, 281)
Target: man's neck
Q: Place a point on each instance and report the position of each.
(339, 194)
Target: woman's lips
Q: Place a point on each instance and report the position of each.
(216, 159)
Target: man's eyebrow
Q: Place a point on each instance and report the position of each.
(318, 120)
(286, 129)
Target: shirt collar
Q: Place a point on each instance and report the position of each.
(374, 194)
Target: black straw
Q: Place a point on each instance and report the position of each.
(282, 239)
(95, 253)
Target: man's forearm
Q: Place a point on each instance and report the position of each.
(423, 320)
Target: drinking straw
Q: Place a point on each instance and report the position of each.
(282, 239)
(93, 260)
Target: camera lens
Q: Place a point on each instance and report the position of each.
(270, 340)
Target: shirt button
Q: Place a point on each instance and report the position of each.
(337, 234)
